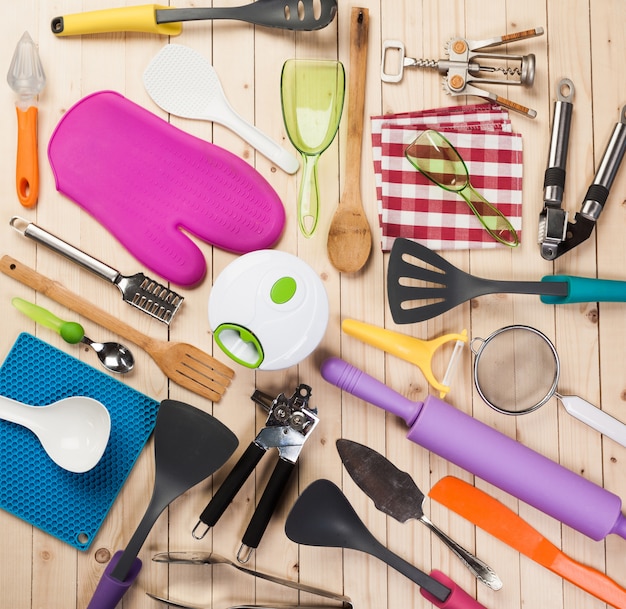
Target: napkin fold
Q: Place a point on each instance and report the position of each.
(411, 206)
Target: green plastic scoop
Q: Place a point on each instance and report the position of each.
(312, 95)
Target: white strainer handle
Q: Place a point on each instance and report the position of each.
(595, 418)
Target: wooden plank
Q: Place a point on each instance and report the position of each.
(584, 41)
(606, 45)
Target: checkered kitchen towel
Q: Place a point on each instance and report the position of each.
(411, 206)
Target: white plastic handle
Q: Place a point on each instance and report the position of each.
(595, 418)
(256, 138)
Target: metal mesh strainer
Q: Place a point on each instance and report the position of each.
(516, 370)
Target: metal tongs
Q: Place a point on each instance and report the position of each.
(210, 558)
(556, 234)
(464, 73)
(289, 424)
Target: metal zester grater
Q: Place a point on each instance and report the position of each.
(137, 290)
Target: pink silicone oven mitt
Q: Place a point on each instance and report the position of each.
(147, 181)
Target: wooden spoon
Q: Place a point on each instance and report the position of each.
(349, 238)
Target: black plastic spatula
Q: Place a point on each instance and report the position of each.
(302, 15)
(323, 516)
(189, 446)
(421, 284)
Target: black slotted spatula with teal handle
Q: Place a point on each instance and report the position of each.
(421, 285)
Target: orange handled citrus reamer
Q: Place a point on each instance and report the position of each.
(26, 77)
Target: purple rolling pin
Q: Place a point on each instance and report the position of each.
(490, 455)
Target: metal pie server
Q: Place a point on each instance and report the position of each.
(395, 493)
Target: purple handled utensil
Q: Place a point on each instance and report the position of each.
(491, 455)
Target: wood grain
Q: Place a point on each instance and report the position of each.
(349, 235)
(585, 41)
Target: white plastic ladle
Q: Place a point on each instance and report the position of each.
(73, 431)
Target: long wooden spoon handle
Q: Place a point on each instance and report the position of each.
(57, 292)
(359, 28)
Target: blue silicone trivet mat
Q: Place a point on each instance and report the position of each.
(66, 505)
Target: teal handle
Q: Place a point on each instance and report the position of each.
(586, 289)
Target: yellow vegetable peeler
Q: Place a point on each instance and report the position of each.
(414, 350)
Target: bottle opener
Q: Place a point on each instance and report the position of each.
(464, 75)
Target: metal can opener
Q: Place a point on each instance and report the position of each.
(289, 424)
(463, 71)
(557, 235)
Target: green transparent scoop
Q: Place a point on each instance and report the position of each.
(434, 156)
(312, 96)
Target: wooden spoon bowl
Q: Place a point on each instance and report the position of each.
(349, 237)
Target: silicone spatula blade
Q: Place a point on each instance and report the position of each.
(494, 517)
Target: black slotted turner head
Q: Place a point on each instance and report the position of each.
(298, 15)
(421, 284)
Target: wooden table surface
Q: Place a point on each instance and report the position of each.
(584, 40)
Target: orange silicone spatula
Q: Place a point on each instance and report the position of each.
(494, 517)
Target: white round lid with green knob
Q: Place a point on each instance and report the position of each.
(268, 310)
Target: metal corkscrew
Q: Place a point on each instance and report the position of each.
(467, 66)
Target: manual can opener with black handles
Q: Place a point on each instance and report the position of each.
(288, 426)
(557, 235)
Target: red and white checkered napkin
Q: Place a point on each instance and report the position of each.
(411, 206)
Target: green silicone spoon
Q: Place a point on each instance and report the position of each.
(114, 357)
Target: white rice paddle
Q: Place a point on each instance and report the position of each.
(182, 82)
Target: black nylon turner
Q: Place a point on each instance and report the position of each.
(448, 285)
(286, 14)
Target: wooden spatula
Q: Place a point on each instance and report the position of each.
(349, 236)
(182, 363)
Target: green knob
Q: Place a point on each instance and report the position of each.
(69, 331)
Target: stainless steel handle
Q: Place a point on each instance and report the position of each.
(554, 179)
(613, 154)
(38, 234)
(482, 571)
(611, 160)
